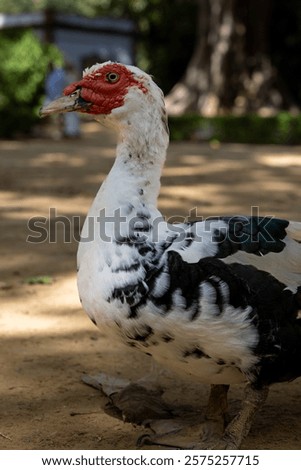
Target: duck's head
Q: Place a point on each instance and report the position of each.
(108, 89)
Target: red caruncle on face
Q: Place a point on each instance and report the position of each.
(105, 88)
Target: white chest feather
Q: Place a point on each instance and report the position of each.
(215, 346)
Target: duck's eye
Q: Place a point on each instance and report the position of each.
(112, 77)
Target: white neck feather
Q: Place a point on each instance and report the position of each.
(140, 154)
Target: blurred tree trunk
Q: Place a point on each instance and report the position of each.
(230, 69)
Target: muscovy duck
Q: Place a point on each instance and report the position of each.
(216, 299)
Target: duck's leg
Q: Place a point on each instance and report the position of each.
(216, 410)
(240, 426)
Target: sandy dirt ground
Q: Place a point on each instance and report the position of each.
(47, 341)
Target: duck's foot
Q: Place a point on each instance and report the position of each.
(128, 401)
(190, 430)
(185, 432)
(209, 435)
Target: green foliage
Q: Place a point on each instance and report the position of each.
(35, 280)
(283, 128)
(23, 65)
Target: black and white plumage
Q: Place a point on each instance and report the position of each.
(218, 299)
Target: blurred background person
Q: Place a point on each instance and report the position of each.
(66, 125)
(71, 120)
